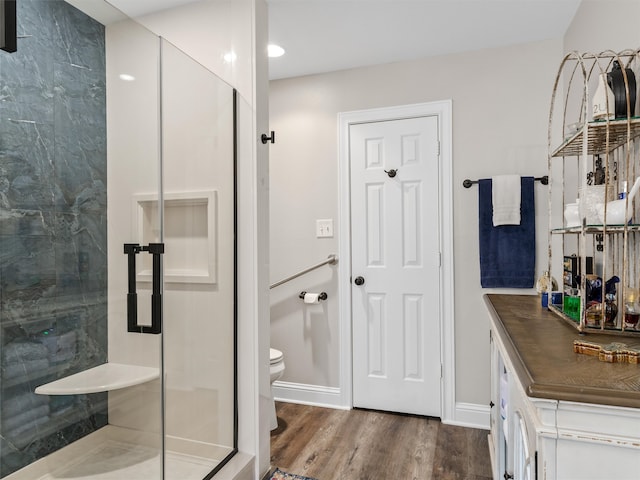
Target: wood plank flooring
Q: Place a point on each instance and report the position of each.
(329, 444)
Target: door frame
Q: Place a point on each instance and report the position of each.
(443, 110)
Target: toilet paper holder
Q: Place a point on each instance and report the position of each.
(321, 296)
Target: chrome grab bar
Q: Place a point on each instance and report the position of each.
(331, 260)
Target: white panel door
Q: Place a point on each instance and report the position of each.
(395, 265)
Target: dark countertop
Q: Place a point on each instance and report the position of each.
(540, 346)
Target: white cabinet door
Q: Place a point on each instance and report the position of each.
(522, 461)
(497, 445)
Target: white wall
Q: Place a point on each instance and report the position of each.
(260, 235)
(501, 100)
(599, 26)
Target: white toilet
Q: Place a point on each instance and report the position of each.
(276, 369)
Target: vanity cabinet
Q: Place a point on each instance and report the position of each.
(594, 221)
(511, 439)
(556, 414)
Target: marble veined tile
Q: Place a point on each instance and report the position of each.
(77, 39)
(53, 227)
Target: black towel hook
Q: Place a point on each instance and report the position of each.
(265, 138)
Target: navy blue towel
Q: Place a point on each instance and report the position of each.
(507, 252)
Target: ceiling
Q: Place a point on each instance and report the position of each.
(328, 35)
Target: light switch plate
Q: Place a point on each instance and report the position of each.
(324, 228)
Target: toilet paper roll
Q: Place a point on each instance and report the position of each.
(311, 298)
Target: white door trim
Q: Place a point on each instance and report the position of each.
(443, 109)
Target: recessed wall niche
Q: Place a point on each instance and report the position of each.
(189, 235)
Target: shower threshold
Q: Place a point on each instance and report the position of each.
(106, 455)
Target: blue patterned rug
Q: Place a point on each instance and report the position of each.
(280, 475)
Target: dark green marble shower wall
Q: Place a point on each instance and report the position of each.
(53, 228)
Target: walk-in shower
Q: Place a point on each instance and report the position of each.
(117, 252)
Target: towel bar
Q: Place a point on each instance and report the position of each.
(543, 180)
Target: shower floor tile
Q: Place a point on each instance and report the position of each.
(117, 461)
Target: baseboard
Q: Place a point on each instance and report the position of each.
(267, 475)
(315, 395)
(471, 415)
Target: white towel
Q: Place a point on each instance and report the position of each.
(505, 193)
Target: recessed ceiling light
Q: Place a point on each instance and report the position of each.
(230, 57)
(126, 77)
(274, 50)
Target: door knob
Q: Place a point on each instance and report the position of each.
(359, 281)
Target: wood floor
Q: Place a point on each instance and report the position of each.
(329, 444)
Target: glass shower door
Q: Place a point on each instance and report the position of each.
(198, 151)
(135, 407)
(187, 228)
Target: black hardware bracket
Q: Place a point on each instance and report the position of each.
(131, 250)
(9, 27)
(265, 138)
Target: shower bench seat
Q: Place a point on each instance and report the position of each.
(103, 378)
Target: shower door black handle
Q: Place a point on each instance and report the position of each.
(9, 38)
(156, 250)
(131, 250)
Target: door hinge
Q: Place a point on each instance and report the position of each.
(438, 148)
(441, 371)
